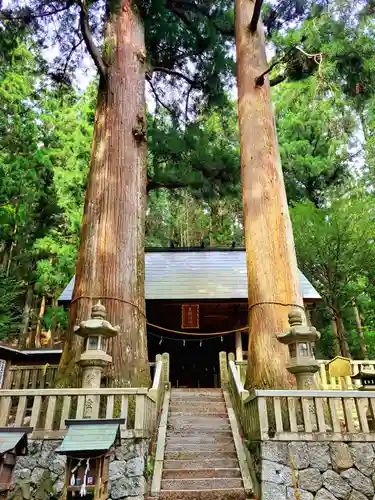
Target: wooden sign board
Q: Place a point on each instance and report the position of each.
(339, 367)
(189, 316)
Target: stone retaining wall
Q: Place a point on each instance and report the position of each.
(40, 475)
(314, 470)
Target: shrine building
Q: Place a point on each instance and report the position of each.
(197, 291)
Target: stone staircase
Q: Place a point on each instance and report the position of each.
(200, 459)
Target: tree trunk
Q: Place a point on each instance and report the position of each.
(26, 316)
(7, 260)
(335, 345)
(271, 261)
(111, 254)
(5, 255)
(37, 339)
(51, 334)
(358, 325)
(341, 334)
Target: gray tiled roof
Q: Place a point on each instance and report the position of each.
(219, 274)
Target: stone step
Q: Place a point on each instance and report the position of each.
(198, 419)
(211, 462)
(220, 494)
(180, 390)
(200, 473)
(197, 455)
(203, 426)
(198, 447)
(207, 412)
(196, 396)
(201, 484)
(197, 405)
(198, 402)
(193, 433)
(187, 426)
(200, 438)
(206, 463)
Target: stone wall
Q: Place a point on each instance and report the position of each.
(314, 470)
(40, 475)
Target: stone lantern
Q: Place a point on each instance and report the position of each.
(299, 338)
(95, 331)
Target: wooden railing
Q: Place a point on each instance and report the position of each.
(310, 415)
(45, 410)
(325, 381)
(30, 377)
(290, 415)
(237, 392)
(160, 382)
(36, 376)
(242, 367)
(323, 378)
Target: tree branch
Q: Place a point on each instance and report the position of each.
(256, 15)
(166, 185)
(260, 79)
(180, 7)
(28, 14)
(71, 52)
(90, 44)
(10, 202)
(278, 79)
(187, 103)
(172, 72)
(172, 113)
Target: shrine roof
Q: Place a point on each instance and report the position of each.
(14, 438)
(198, 274)
(91, 435)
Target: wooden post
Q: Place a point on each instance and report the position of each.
(323, 375)
(166, 367)
(308, 314)
(271, 261)
(223, 370)
(239, 351)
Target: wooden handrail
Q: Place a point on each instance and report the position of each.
(128, 391)
(303, 415)
(288, 415)
(157, 376)
(244, 394)
(46, 410)
(283, 393)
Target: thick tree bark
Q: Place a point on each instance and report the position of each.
(36, 341)
(358, 325)
(8, 253)
(339, 330)
(335, 346)
(26, 316)
(271, 261)
(111, 255)
(51, 334)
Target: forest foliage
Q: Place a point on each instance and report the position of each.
(323, 65)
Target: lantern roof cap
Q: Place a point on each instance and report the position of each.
(97, 324)
(298, 332)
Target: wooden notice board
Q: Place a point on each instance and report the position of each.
(339, 367)
(189, 316)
